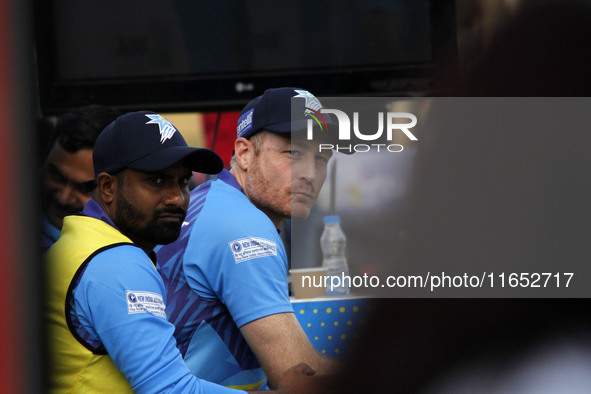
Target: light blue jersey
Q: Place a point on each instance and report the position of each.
(118, 306)
(49, 233)
(228, 268)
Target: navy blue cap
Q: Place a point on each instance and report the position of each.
(279, 110)
(146, 141)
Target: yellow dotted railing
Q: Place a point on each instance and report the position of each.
(332, 325)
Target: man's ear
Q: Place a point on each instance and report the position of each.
(244, 152)
(106, 185)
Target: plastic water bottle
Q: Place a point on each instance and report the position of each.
(333, 243)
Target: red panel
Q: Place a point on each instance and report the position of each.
(11, 362)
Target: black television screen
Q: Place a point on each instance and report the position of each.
(212, 55)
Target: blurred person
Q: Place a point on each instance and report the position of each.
(226, 276)
(541, 51)
(68, 166)
(493, 197)
(105, 311)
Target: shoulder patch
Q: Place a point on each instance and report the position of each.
(251, 248)
(145, 302)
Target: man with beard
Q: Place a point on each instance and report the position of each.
(68, 166)
(105, 309)
(226, 274)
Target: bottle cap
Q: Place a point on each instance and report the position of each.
(332, 219)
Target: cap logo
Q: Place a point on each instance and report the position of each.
(312, 107)
(167, 130)
(245, 122)
(312, 103)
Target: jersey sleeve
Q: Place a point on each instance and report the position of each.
(238, 257)
(121, 296)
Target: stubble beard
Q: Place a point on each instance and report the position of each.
(129, 221)
(266, 196)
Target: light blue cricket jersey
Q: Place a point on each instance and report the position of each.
(49, 233)
(106, 315)
(227, 269)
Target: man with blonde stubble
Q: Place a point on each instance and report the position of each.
(226, 274)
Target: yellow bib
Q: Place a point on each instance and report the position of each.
(73, 368)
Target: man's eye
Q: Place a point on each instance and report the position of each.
(322, 159)
(156, 180)
(87, 187)
(58, 179)
(57, 176)
(294, 152)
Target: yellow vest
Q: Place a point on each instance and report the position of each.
(73, 368)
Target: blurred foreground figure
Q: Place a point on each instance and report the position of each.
(484, 197)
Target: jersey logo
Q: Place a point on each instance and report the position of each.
(251, 248)
(145, 302)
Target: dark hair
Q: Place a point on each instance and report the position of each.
(80, 127)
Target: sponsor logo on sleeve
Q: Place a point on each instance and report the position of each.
(145, 302)
(251, 248)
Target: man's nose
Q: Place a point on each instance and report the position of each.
(68, 195)
(305, 169)
(175, 195)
